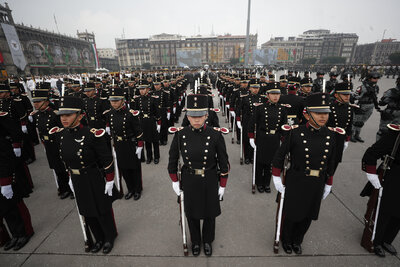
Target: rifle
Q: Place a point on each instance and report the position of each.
(253, 180)
(181, 203)
(279, 210)
(117, 177)
(241, 146)
(233, 131)
(373, 205)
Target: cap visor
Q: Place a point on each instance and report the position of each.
(194, 113)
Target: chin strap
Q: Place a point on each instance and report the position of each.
(309, 114)
(72, 123)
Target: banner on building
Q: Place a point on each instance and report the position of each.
(96, 57)
(260, 57)
(15, 46)
(190, 57)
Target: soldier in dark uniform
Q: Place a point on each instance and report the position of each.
(317, 84)
(391, 114)
(164, 103)
(296, 104)
(94, 107)
(75, 89)
(88, 158)
(244, 112)
(126, 134)
(264, 131)
(311, 148)
(341, 116)
(306, 85)
(204, 172)
(331, 83)
(150, 121)
(367, 100)
(283, 83)
(45, 118)
(388, 224)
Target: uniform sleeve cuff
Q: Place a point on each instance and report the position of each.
(370, 169)
(5, 181)
(159, 122)
(223, 181)
(237, 118)
(330, 180)
(276, 171)
(140, 144)
(348, 138)
(16, 145)
(173, 177)
(251, 135)
(110, 176)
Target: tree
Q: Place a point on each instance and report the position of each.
(146, 66)
(309, 61)
(395, 58)
(334, 60)
(234, 61)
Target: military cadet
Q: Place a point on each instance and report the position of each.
(317, 84)
(204, 157)
(295, 104)
(367, 100)
(331, 83)
(283, 83)
(388, 224)
(150, 121)
(75, 89)
(341, 116)
(244, 112)
(126, 134)
(306, 85)
(264, 132)
(11, 196)
(391, 114)
(45, 118)
(311, 148)
(88, 158)
(94, 107)
(164, 104)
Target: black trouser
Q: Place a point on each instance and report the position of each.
(293, 232)
(102, 227)
(164, 127)
(263, 174)
(149, 152)
(208, 231)
(14, 220)
(133, 179)
(62, 180)
(387, 228)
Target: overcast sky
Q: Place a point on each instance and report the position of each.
(142, 18)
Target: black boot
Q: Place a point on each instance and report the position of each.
(358, 138)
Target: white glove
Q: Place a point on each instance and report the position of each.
(239, 125)
(345, 146)
(30, 118)
(174, 110)
(227, 106)
(221, 192)
(278, 183)
(177, 189)
(71, 185)
(7, 191)
(108, 130)
(221, 96)
(139, 151)
(24, 129)
(179, 102)
(374, 180)
(109, 187)
(17, 152)
(327, 190)
(158, 128)
(252, 143)
(224, 98)
(232, 114)
(168, 115)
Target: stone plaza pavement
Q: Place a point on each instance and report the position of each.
(149, 234)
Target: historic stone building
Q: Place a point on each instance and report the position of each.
(376, 53)
(35, 51)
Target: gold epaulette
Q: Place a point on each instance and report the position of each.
(337, 130)
(134, 112)
(287, 127)
(55, 129)
(98, 132)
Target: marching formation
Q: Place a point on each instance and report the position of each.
(97, 129)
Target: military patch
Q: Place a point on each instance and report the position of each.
(394, 127)
(287, 127)
(134, 112)
(55, 130)
(174, 129)
(286, 105)
(3, 113)
(98, 132)
(222, 130)
(337, 130)
(215, 109)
